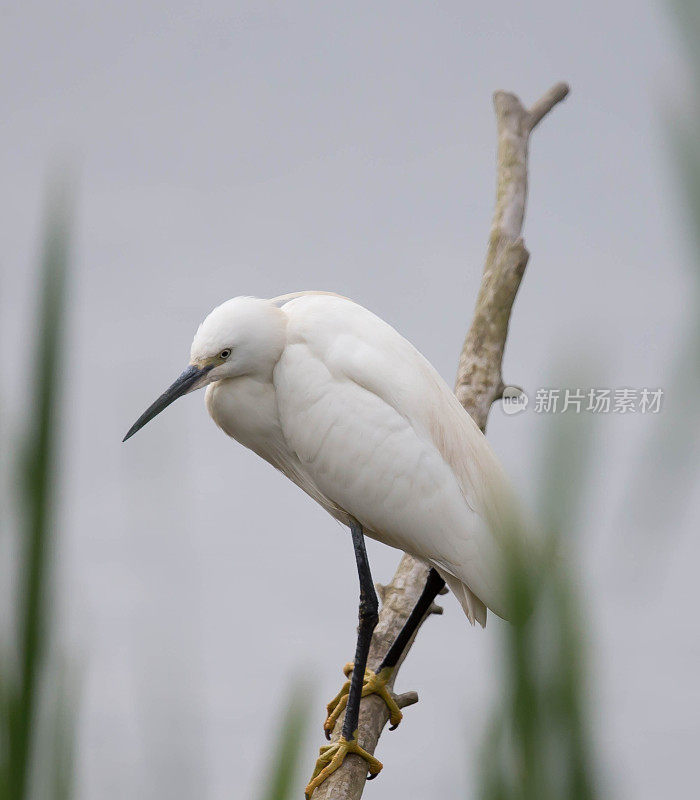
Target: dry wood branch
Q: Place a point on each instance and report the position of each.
(479, 382)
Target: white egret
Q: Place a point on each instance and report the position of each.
(344, 406)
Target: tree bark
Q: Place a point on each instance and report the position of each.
(479, 382)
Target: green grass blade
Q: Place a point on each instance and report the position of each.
(285, 758)
(37, 472)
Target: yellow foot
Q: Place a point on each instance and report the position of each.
(333, 755)
(374, 683)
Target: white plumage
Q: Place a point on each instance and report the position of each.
(350, 411)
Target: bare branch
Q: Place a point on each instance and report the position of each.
(479, 382)
(547, 102)
(479, 379)
(406, 699)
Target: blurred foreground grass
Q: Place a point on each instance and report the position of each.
(664, 475)
(286, 759)
(35, 728)
(537, 745)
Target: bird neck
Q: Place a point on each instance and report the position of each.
(266, 338)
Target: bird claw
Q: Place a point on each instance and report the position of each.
(374, 683)
(330, 758)
(337, 705)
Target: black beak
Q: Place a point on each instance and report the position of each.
(185, 383)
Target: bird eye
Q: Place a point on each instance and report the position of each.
(224, 354)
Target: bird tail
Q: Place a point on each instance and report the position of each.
(473, 607)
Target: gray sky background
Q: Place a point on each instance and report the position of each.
(261, 148)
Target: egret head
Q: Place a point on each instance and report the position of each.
(243, 336)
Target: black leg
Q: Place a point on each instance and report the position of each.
(433, 587)
(369, 614)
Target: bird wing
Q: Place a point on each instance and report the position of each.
(383, 437)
